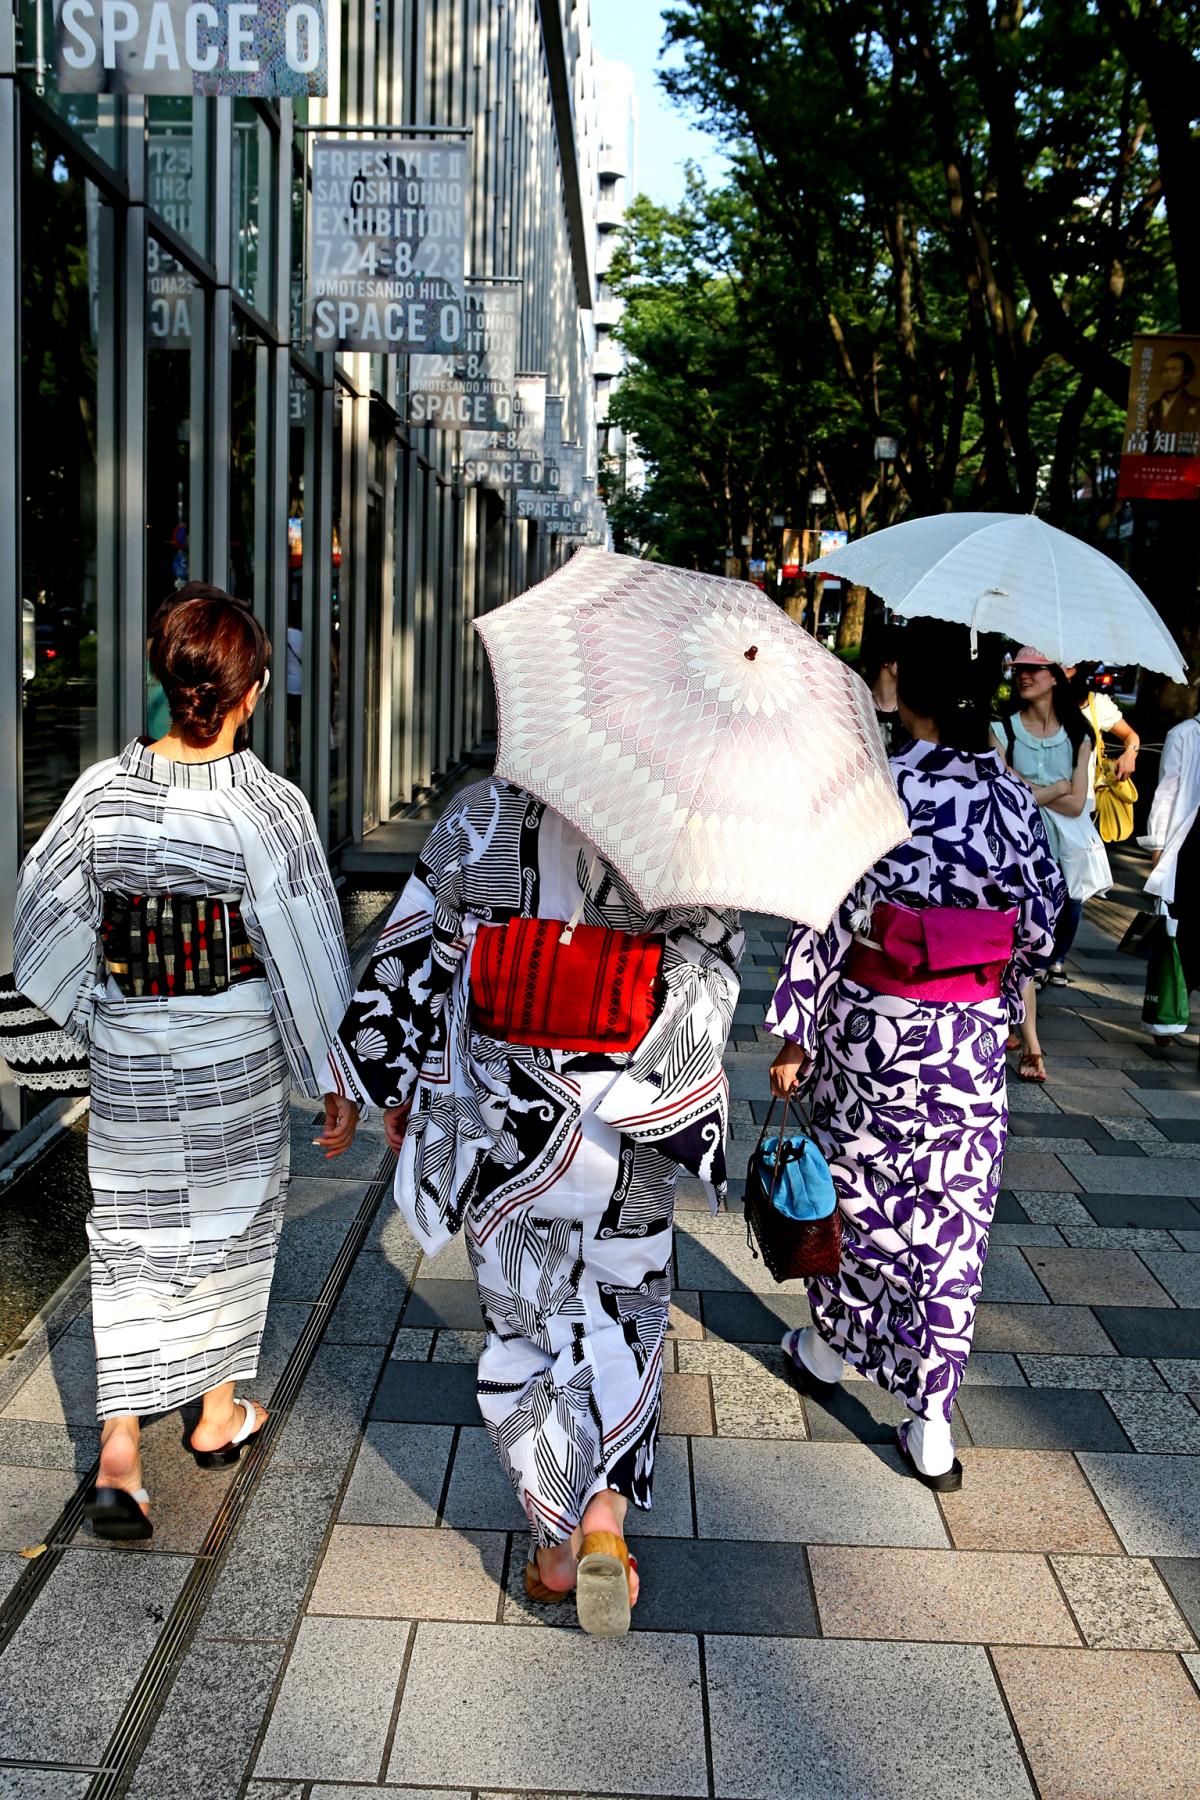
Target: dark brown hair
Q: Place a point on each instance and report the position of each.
(207, 649)
(939, 678)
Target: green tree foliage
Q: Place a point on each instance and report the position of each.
(943, 223)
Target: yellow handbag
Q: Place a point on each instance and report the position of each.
(1115, 797)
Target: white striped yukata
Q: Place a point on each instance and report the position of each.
(560, 1167)
(188, 1137)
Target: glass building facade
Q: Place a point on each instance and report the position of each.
(165, 418)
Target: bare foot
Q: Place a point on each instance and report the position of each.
(557, 1563)
(120, 1457)
(218, 1424)
(606, 1511)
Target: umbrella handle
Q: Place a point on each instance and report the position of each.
(568, 930)
(984, 595)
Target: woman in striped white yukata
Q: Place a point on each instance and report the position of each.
(177, 920)
(558, 1164)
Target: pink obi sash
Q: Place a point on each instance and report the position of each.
(952, 954)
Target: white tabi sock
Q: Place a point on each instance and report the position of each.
(930, 1445)
(812, 1350)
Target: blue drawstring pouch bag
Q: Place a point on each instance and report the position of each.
(796, 1176)
(791, 1204)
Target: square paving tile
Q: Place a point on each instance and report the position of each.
(459, 1346)
(1152, 1330)
(260, 1591)
(721, 1262)
(1026, 1500)
(753, 1407)
(1007, 1276)
(1104, 1722)
(1151, 1211)
(1041, 1419)
(1037, 1169)
(480, 1495)
(683, 1315)
(192, 1753)
(810, 1493)
(1113, 1374)
(323, 1725)
(398, 1475)
(686, 1406)
(1117, 1237)
(121, 1600)
(938, 1596)
(1153, 1501)
(323, 1428)
(796, 1719)
(698, 1585)
(1164, 1103)
(440, 1305)
(1020, 1233)
(325, 1199)
(1163, 1423)
(1044, 1330)
(993, 1368)
(370, 1302)
(1178, 1272)
(1157, 1175)
(1121, 1603)
(1052, 1209)
(389, 1571)
(62, 1388)
(427, 1393)
(491, 1727)
(1182, 1576)
(33, 1444)
(1181, 1373)
(753, 1318)
(412, 1346)
(1096, 1278)
(307, 1249)
(856, 1412)
(30, 1501)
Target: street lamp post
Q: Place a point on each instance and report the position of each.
(816, 499)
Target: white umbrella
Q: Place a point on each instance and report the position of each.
(1011, 573)
(711, 750)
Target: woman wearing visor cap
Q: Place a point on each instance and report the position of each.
(177, 920)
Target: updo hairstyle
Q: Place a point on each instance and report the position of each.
(208, 650)
(937, 678)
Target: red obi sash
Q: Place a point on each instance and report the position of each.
(951, 954)
(535, 982)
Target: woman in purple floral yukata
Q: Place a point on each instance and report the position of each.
(895, 1019)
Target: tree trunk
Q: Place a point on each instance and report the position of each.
(854, 613)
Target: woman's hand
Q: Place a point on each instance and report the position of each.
(1126, 764)
(787, 1069)
(341, 1122)
(395, 1124)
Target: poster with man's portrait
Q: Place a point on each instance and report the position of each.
(1160, 456)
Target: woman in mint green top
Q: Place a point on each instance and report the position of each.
(1051, 751)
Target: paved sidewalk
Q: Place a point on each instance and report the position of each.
(814, 1624)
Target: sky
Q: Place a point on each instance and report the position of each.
(631, 31)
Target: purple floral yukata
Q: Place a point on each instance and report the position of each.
(907, 1097)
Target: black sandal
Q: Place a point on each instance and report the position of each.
(115, 1514)
(247, 1431)
(947, 1483)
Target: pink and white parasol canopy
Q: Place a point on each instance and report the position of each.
(713, 752)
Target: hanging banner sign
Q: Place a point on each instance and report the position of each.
(515, 458)
(389, 223)
(169, 286)
(256, 48)
(1160, 456)
(565, 513)
(472, 388)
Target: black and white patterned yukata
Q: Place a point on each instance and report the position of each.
(188, 1135)
(560, 1167)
